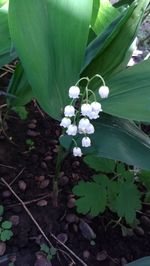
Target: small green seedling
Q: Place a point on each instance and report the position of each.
(49, 251)
(5, 227)
(31, 144)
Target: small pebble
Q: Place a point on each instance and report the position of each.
(62, 237)
(22, 185)
(44, 183)
(34, 121)
(48, 158)
(75, 228)
(145, 221)
(64, 180)
(43, 165)
(14, 219)
(86, 254)
(72, 218)
(40, 178)
(101, 256)
(86, 230)
(42, 203)
(71, 203)
(139, 231)
(2, 248)
(32, 125)
(123, 262)
(6, 194)
(32, 133)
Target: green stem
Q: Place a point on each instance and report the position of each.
(56, 176)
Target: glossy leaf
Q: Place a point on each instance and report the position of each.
(118, 139)
(51, 53)
(7, 53)
(105, 54)
(141, 262)
(20, 88)
(130, 93)
(103, 14)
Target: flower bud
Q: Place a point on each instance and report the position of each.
(103, 92)
(74, 92)
(86, 142)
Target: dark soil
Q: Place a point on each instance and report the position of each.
(31, 169)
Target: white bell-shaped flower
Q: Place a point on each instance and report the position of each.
(69, 111)
(90, 129)
(65, 122)
(96, 107)
(84, 122)
(85, 109)
(77, 151)
(103, 92)
(93, 115)
(74, 92)
(86, 142)
(72, 130)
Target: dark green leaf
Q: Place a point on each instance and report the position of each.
(20, 88)
(141, 262)
(92, 198)
(128, 201)
(100, 164)
(118, 139)
(122, 140)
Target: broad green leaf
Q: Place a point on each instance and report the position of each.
(117, 139)
(7, 53)
(92, 198)
(128, 201)
(6, 235)
(20, 88)
(100, 164)
(141, 262)
(103, 14)
(130, 93)
(6, 225)
(51, 44)
(2, 2)
(105, 54)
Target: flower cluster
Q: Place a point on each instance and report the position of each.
(88, 111)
